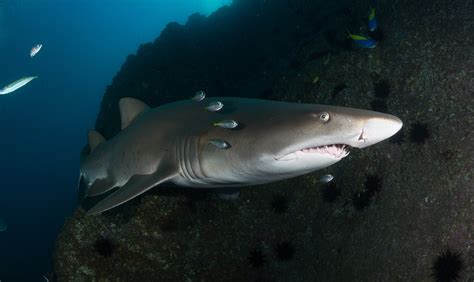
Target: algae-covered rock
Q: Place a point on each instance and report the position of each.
(392, 211)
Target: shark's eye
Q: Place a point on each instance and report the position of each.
(324, 117)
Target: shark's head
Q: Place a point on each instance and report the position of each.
(286, 140)
(325, 135)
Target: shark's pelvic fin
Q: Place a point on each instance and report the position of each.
(130, 108)
(95, 138)
(101, 186)
(135, 186)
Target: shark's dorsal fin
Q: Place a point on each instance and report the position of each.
(95, 138)
(130, 108)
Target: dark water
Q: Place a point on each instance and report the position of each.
(43, 125)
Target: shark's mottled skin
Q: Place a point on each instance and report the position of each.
(274, 141)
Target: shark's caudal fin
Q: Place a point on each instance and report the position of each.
(135, 186)
(95, 138)
(130, 109)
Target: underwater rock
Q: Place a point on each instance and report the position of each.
(246, 50)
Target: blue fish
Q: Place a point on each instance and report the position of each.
(363, 41)
(372, 24)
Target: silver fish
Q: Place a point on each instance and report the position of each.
(17, 84)
(326, 178)
(229, 123)
(35, 50)
(214, 106)
(199, 96)
(221, 144)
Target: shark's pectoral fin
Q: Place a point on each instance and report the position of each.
(100, 186)
(135, 186)
(230, 193)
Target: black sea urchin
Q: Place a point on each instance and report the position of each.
(382, 89)
(330, 192)
(280, 203)
(447, 266)
(361, 200)
(372, 184)
(256, 258)
(105, 246)
(419, 132)
(285, 250)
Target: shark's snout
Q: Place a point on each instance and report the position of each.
(377, 129)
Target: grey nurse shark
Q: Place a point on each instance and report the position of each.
(274, 141)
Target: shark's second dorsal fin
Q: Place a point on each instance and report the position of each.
(130, 108)
(95, 138)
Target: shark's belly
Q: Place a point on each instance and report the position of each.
(219, 183)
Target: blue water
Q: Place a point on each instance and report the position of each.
(43, 125)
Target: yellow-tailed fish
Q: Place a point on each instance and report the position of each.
(363, 41)
(372, 23)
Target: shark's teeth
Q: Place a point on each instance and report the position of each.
(338, 150)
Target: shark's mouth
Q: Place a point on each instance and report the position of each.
(337, 151)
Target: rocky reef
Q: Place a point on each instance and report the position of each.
(398, 211)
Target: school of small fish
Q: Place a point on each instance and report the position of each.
(365, 41)
(24, 80)
(227, 124)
